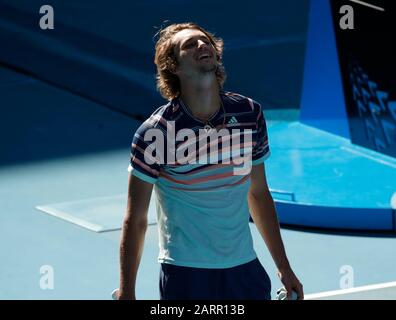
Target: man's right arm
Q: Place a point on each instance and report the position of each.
(133, 233)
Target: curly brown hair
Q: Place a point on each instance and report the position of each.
(168, 83)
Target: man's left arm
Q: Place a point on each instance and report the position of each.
(262, 209)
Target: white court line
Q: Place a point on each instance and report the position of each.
(351, 290)
(70, 218)
(366, 155)
(368, 5)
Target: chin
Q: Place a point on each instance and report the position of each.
(209, 68)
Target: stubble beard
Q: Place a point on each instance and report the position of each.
(208, 69)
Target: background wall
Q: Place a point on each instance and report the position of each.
(104, 50)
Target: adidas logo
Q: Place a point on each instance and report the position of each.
(232, 120)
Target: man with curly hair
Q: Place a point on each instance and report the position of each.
(206, 247)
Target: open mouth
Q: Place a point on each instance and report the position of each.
(204, 56)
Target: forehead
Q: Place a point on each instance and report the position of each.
(186, 34)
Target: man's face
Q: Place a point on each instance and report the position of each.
(195, 53)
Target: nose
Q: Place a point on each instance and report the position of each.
(200, 43)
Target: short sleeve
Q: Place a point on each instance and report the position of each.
(144, 163)
(261, 151)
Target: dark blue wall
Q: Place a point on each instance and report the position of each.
(103, 50)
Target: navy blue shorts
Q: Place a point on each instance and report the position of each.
(248, 281)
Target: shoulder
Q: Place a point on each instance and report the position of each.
(159, 118)
(241, 102)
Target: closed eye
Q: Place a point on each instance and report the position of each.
(191, 43)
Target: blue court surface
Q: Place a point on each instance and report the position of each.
(71, 101)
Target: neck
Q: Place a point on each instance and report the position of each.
(202, 98)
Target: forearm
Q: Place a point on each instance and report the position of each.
(262, 209)
(131, 249)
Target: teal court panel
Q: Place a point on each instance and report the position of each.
(328, 181)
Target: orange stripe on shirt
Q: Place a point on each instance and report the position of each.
(215, 187)
(145, 167)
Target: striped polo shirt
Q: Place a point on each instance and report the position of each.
(202, 206)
